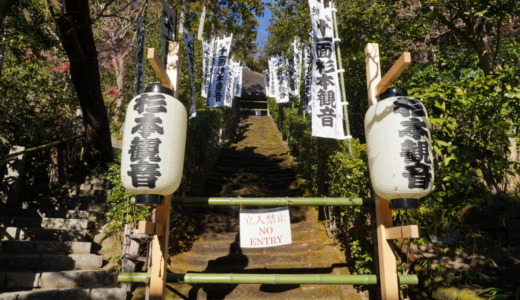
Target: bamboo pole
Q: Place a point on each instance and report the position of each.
(17, 153)
(341, 79)
(218, 278)
(229, 201)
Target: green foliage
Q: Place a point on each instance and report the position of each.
(121, 210)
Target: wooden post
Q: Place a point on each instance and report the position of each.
(388, 280)
(173, 65)
(399, 66)
(201, 23)
(158, 68)
(158, 267)
(160, 250)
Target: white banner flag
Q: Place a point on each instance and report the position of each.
(282, 84)
(307, 84)
(217, 91)
(266, 82)
(327, 111)
(272, 77)
(207, 66)
(297, 58)
(230, 75)
(190, 50)
(238, 80)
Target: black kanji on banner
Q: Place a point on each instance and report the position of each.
(139, 56)
(168, 26)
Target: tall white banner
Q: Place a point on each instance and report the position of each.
(238, 80)
(282, 84)
(266, 82)
(289, 66)
(217, 91)
(327, 112)
(297, 58)
(230, 75)
(307, 84)
(190, 50)
(272, 77)
(207, 66)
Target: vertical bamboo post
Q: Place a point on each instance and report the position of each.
(387, 263)
(341, 78)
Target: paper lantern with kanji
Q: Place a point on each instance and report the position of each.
(399, 150)
(154, 141)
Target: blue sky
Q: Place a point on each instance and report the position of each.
(262, 29)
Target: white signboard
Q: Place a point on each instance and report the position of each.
(261, 228)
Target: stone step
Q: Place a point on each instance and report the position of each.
(266, 291)
(45, 247)
(41, 234)
(272, 181)
(100, 293)
(11, 281)
(49, 262)
(241, 260)
(69, 205)
(51, 213)
(222, 248)
(47, 223)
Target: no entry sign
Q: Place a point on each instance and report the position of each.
(261, 228)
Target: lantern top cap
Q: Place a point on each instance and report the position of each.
(158, 88)
(392, 93)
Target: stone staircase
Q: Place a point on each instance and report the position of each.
(257, 163)
(47, 248)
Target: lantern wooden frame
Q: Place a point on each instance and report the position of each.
(387, 264)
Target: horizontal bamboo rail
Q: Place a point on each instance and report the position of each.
(266, 201)
(215, 278)
(5, 158)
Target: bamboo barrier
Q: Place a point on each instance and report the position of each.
(264, 201)
(234, 278)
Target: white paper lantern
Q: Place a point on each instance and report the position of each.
(399, 150)
(154, 141)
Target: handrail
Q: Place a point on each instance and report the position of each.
(4, 159)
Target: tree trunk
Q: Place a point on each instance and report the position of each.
(120, 70)
(5, 5)
(77, 39)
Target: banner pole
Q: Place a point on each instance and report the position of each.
(341, 79)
